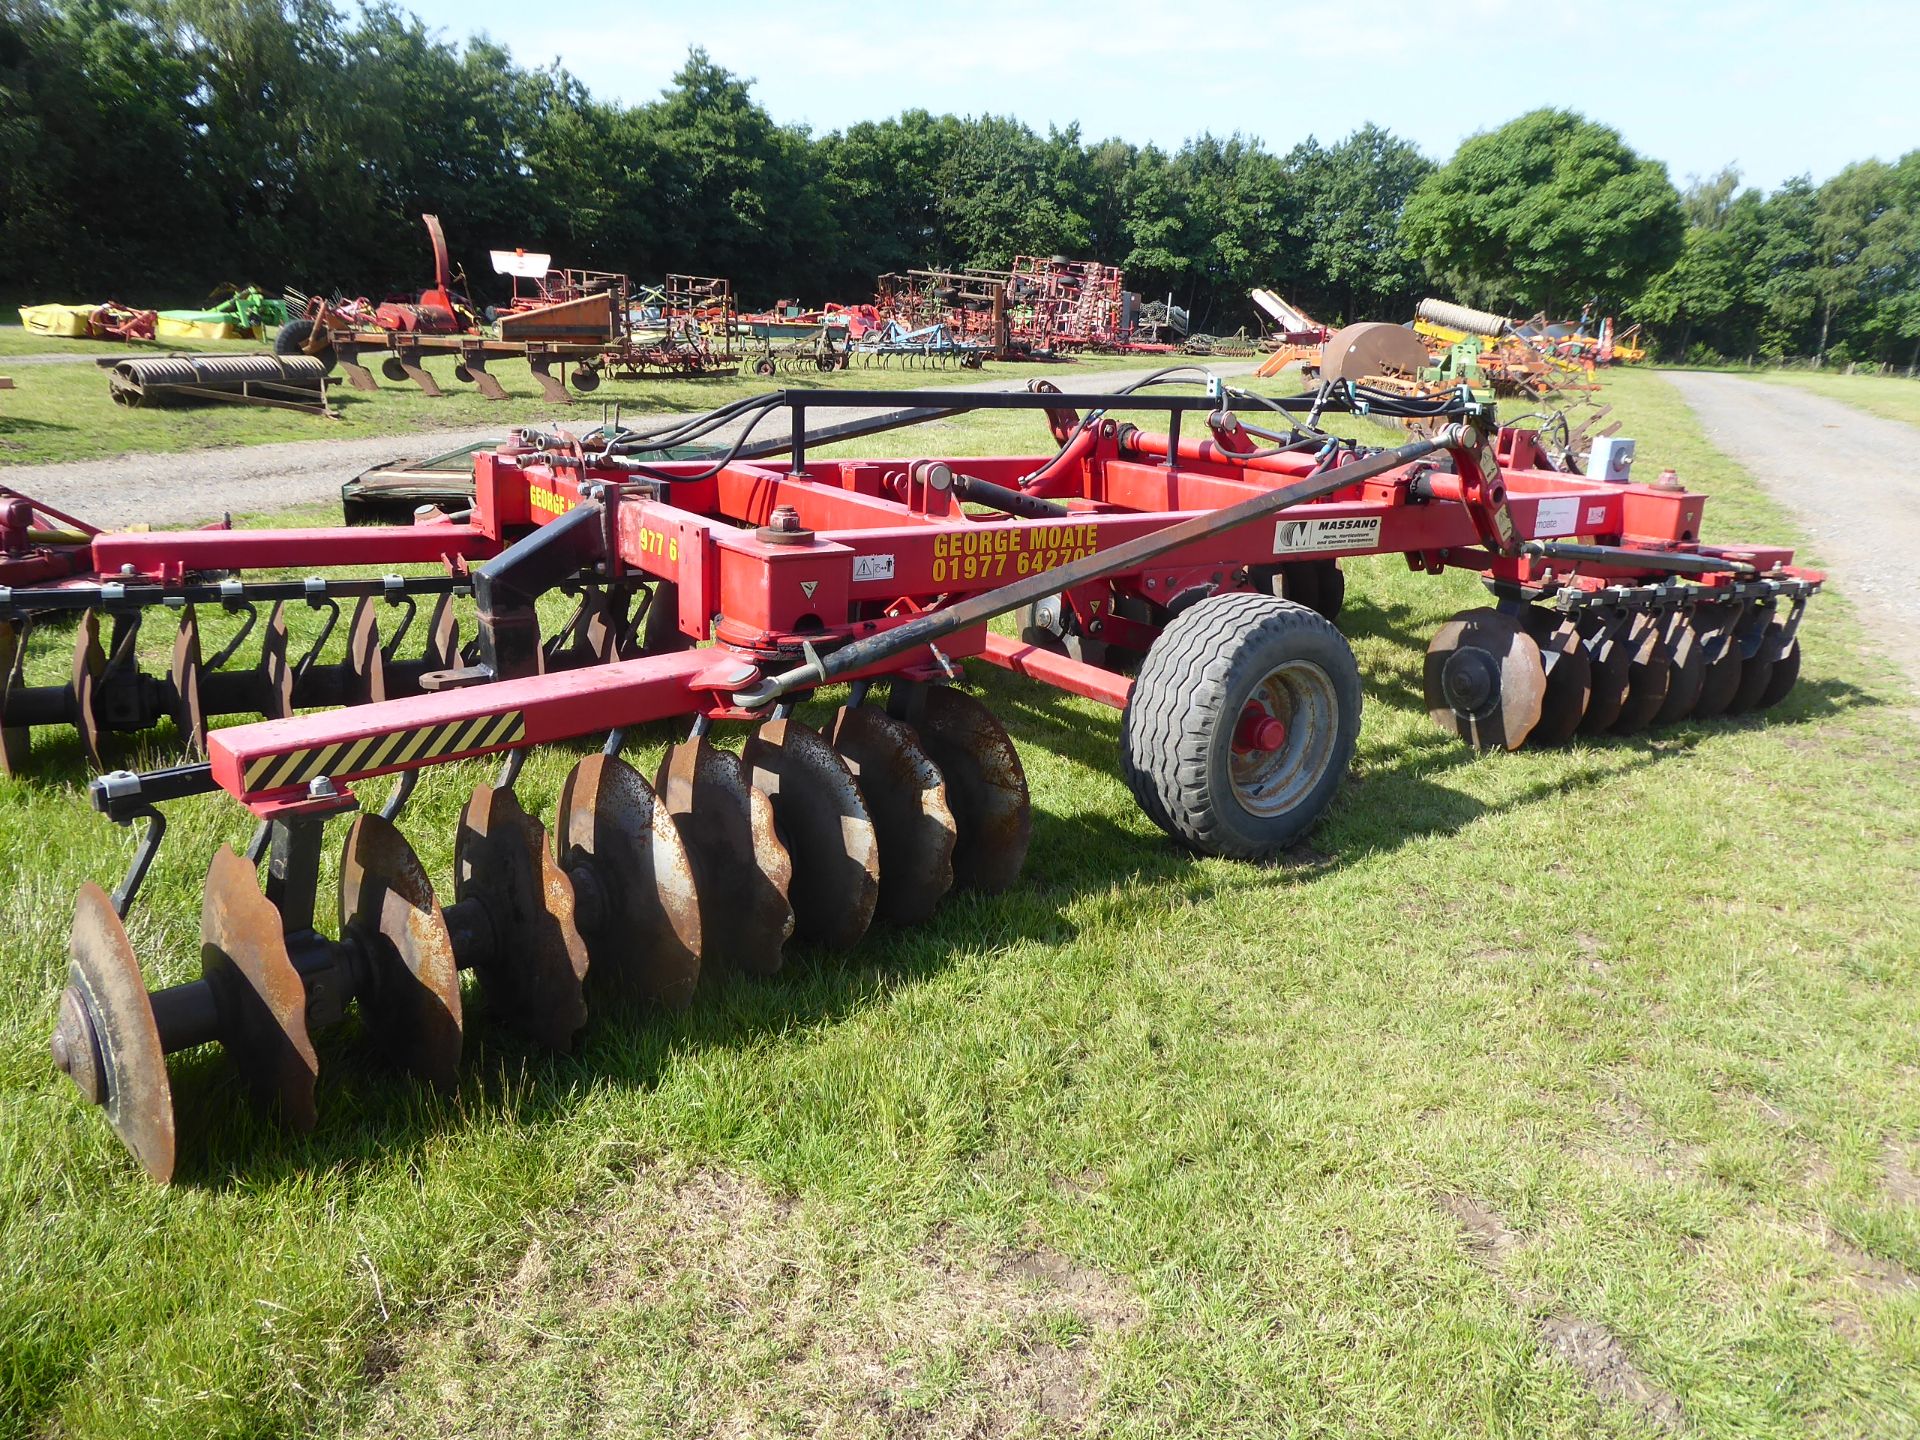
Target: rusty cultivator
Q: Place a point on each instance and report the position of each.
(1202, 554)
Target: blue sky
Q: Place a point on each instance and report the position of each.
(1777, 88)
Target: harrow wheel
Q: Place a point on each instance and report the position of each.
(621, 849)
(1611, 669)
(106, 1040)
(743, 871)
(1648, 673)
(1687, 671)
(1786, 674)
(1569, 674)
(1720, 656)
(1484, 680)
(16, 741)
(412, 1008)
(907, 797)
(986, 786)
(515, 909)
(1241, 725)
(823, 820)
(189, 714)
(260, 997)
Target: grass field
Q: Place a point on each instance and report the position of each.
(1893, 397)
(63, 412)
(1568, 1093)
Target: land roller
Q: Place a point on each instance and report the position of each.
(1186, 575)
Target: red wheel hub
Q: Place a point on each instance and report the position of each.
(1258, 730)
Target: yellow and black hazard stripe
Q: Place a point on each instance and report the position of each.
(415, 745)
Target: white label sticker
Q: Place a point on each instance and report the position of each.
(807, 587)
(1596, 515)
(1558, 515)
(873, 567)
(1361, 532)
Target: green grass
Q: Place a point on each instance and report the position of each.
(1892, 397)
(63, 412)
(1620, 1034)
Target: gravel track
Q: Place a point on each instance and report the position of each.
(195, 486)
(1851, 479)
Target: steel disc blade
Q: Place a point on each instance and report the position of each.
(366, 666)
(1484, 681)
(825, 825)
(276, 671)
(986, 785)
(263, 1004)
(1786, 674)
(912, 819)
(1687, 671)
(16, 741)
(1720, 677)
(412, 1011)
(745, 874)
(107, 1039)
(1648, 670)
(89, 661)
(1609, 668)
(443, 636)
(646, 940)
(1569, 677)
(1756, 674)
(189, 714)
(534, 970)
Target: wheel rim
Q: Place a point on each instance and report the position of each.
(1283, 738)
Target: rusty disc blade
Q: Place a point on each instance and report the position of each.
(1687, 671)
(1648, 671)
(822, 820)
(16, 741)
(107, 1039)
(412, 1010)
(443, 636)
(1721, 667)
(646, 940)
(1569, 676)
(912, 819)
(89, 661)
(986, 786)
(189, 714)
(534, 967)
(366, 666)
(1786, 674)
(1608, 666)
(276, 671)
(1484, 681)
(745, 874)
(263, 1004)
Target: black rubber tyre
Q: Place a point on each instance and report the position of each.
(1212, 666)
(292, 337)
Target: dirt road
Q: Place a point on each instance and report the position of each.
(200, 485)
(1850, 478)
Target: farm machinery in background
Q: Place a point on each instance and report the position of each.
(587, 324)
(1185, 572)
(1295, 339)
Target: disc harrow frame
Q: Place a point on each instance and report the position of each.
(1208, 550)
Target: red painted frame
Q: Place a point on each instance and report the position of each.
(888, 540)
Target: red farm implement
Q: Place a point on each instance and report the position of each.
(1207, 550)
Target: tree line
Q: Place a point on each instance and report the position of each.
(150, 149)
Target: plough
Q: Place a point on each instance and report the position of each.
(1207, 549)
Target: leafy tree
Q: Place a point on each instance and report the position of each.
(1354, 197)
(1550, 209)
